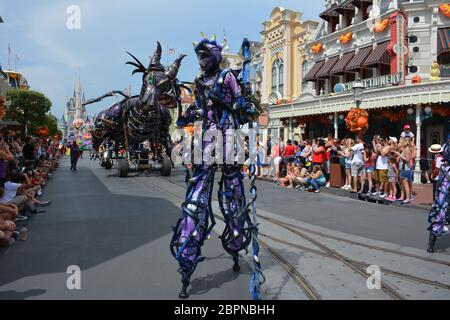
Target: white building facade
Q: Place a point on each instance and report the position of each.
(401, 52)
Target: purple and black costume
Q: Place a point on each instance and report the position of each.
(439, 216)
(220, 105)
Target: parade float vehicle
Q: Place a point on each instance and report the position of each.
(138, 119)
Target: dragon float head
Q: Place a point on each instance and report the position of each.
(156, 80)
(209, 53)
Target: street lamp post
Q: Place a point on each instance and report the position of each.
(358, 89)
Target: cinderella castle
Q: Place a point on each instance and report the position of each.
(74, 110)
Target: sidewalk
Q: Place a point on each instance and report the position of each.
(422, 192)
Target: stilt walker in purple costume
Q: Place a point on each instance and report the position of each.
(222, 102)
(439, 217)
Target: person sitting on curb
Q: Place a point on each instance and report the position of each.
(300, 179)
(287, 181)
(316, 179)
(7, 232)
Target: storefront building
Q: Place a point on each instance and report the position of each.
(400, 50)
(282, 57)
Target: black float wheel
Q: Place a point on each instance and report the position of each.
(166, 168)
(108, 164)
(123, 168)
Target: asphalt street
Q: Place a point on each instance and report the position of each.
(117, 231)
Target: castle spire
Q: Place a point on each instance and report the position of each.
(79, 86)
(78, 103)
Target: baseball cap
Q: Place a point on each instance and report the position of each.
(406, 127)
(393, 139)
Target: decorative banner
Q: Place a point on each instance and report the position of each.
(442, 111)
(445, 9)
(317, 48)
(346, 38)
(381, 26)
(398, 48)
(357, 120)
(394, 115)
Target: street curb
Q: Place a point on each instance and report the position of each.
(355, 196)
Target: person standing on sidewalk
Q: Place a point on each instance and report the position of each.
(357, 166)
(74, 154)
(436, 150)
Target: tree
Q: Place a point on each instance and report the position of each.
(27, 107)
(52, 125)
(48, 121)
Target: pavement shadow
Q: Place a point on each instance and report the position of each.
(204, 284)
(443, 245)
(86, 225)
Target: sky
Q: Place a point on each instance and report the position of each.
(53, 56)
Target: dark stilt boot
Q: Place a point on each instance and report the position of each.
(183, 293)
(432, 242)
(236, 266)
(185, 280)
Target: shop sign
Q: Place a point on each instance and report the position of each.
(389, 79)
(275, 123)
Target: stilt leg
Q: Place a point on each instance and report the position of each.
(432, 242)
(185, 284)
(236, 266)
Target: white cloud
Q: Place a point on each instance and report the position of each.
(46, 26)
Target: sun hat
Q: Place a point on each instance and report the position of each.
(436, 148)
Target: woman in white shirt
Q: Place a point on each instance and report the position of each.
(347, 154)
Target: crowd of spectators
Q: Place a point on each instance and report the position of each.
(25, 167)
(382, 167)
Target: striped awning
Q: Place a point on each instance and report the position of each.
(346, 5)
(443, 40)
(358, 3)
(325, 70)
(359, 59)
(340, 66)
(330, 13)
(311, 75)
(379, 55)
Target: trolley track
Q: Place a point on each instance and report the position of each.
(365, 245)
(357, 266)
(358, 269)
(398, 274)
(299, 280)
